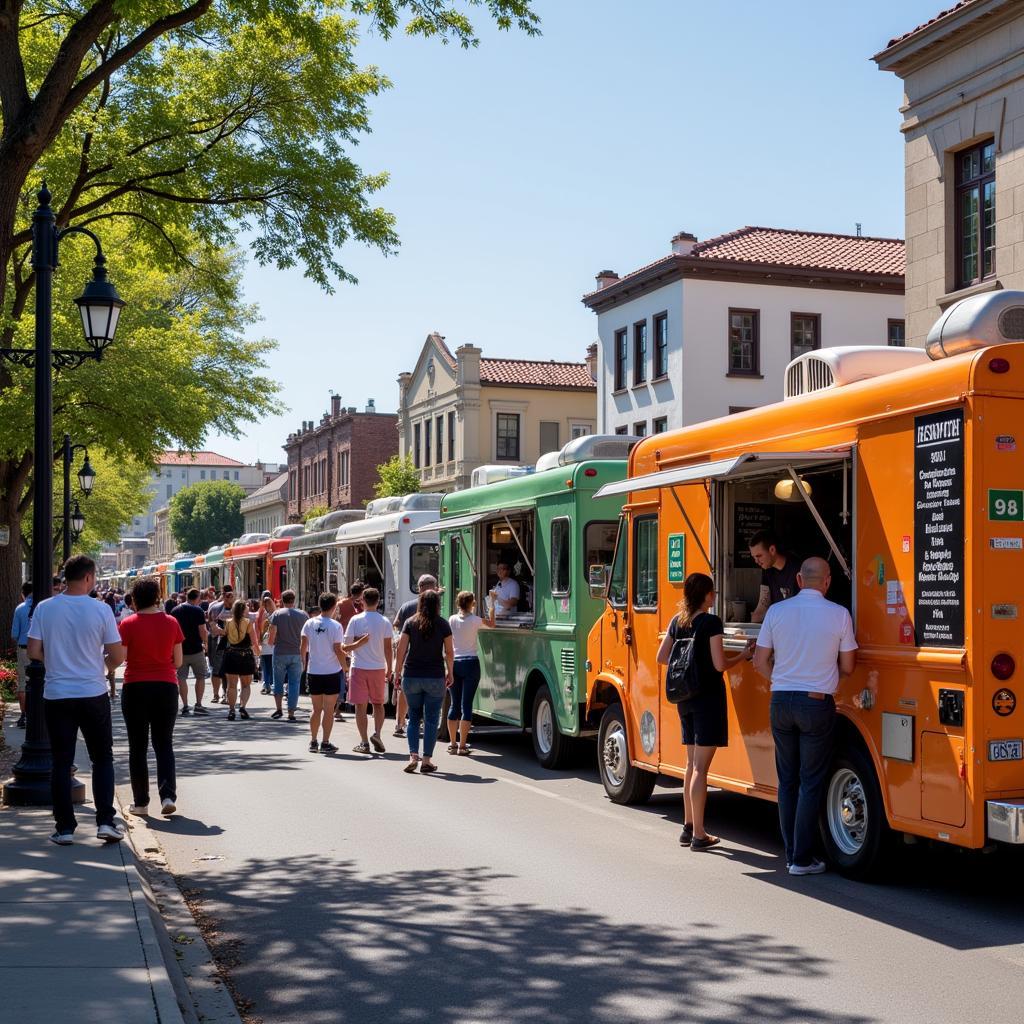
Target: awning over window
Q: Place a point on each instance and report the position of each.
(470, 519)
(748, 464)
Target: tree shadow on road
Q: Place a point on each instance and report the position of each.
(325, 945)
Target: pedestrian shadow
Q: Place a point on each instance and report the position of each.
(179, 824)
(448, 946)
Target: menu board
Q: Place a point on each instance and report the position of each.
(939, 529)
(748, 519)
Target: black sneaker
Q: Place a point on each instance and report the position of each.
(20, 724)
(265, 691)
(185, 710)
(198, 709)
(328, 748)
(276, 715)
(231, 715)
(244, 713)
(313, 746)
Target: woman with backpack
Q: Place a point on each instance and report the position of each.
(704, 716)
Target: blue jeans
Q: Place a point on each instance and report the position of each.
(425, 697)
(802, 728)
(267, 668)
(466, 676)
(287, 670)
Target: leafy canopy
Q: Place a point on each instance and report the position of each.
(397, 476)
(206, 514)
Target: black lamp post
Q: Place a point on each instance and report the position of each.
(74, 521)
(100, 307)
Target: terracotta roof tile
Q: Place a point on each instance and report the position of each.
(806, 249)
(196, 459)
(536, 373)
(929, 22)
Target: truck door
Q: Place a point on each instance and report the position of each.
(643, 637)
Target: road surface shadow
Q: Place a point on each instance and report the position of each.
(447, 947)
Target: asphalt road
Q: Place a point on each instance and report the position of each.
(497, 892)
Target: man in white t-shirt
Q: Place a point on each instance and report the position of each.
(77, 640)
(371, 669)
(806, 643)
(505, 593)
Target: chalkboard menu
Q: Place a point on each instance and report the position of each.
(939, 529)
(748, 519)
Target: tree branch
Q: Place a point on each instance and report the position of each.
(14, 97)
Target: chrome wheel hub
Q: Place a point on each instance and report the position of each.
(545, 727)
(614, 755)
(847, 811)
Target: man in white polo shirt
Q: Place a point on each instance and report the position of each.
(805, 645)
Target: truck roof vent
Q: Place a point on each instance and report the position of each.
(976, 322)
(828, 368)
(492, 474)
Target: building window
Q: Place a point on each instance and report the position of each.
(202, 474)
(622, 430)
(897, 333)
(620, 359)
(183, 474)
(640, 352)
(451, 437)
(236, 474)
(659, 425)
(579, 430)
(744, 342)
(416, 445)
(560, 561)
(439, 426)
(170, 490)
(661, 345)
(343, 469)
(804, 333)
(733, 409)
(640, 429)
(227, 474)
(976, 213)
(548, 437)
(507, 436)
(426, 441)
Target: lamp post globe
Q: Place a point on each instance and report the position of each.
(86, 476)
(100, 307)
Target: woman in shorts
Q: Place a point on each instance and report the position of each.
(239, 665)
(704, 719)
(324, 652)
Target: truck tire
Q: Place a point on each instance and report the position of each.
(853, 825)
(623, 782)
(550, 746)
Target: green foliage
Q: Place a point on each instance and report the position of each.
(315, 512)
(119, 493)
(206, 514)
(397, 476)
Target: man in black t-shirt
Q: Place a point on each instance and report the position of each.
(778, 573)
(192, 620)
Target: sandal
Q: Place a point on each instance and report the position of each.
(411, 766)
(464, 751)
(427, 769)
(361, 748)
(244, 713)
(704, 844)
(686, 836)
(277, 714)
(399, 731)
(453, 748)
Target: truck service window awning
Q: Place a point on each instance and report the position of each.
(721, 469)
(470, 519)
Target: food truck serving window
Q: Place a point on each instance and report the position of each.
(561, 533)
(423, 562)
(509, 540)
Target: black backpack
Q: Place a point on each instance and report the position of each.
(682, 681)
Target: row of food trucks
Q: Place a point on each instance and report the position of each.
(904, 469)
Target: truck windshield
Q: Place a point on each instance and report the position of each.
(617, 583)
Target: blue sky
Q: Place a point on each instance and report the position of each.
(522, 168)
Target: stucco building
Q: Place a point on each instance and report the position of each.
(963, 126)
(334, 463)
(708, 329)
(461, 410)
(266, 509)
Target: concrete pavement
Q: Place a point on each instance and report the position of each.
(495, 891)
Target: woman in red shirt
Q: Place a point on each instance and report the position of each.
(149, 696)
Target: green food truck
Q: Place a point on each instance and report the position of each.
(557, 541)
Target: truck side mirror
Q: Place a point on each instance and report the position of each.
(597, 579)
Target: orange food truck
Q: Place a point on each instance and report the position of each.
(905, 470)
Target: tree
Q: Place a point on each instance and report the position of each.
(206, 514)
(314, 512)
(397, 476)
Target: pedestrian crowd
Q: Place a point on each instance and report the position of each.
(345, 654)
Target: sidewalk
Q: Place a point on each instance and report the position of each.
(77, 940)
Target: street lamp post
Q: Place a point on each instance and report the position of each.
(100, 307)
(74, 521)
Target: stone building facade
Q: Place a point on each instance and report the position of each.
(334, 463)
(963, 126)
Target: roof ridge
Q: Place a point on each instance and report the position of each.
(726, 236)
(825, 234)
(541, 362)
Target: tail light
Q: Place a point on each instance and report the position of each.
(999, 365)
(1003, 666)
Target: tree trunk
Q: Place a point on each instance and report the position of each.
(10, 566)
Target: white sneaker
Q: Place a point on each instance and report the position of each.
(62, 838)
(109, 833)
(168, 806)
(139, 810)
(816, 867)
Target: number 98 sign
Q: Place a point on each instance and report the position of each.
(1006, 506)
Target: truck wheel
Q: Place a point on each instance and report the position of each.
(853, 823)
(549, 745)
(623, 782)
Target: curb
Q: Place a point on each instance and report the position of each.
(192, 980)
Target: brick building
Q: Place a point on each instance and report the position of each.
(334, 462)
